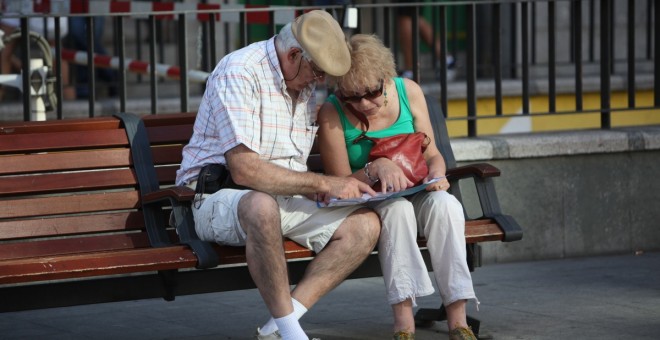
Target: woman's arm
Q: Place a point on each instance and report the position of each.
(331, 142)
(420, 112)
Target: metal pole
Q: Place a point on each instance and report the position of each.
(471, 71)
(153, 82)
(121, 49)
(90, 65)
(605, 119)
(183, 63)
(552, 94)
(524, 23)
(415, 44)
(578, 55)
(631, 53)
(25, 45)
(58, 69)
(497, 60)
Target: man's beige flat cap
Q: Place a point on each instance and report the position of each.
(320, 35)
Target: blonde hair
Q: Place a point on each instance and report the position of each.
(371, 61)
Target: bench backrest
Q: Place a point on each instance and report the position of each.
(169, 133)
(64, 178)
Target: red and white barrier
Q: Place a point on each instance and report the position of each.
(135, 66)
(142, 9)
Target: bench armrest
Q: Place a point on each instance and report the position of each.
(483, 174)
(177, 193)
(181, 197)
(481, 170)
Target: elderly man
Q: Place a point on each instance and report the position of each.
(257, 121)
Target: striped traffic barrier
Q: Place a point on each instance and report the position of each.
(135, 66)
(231, 13)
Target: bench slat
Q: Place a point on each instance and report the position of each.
(66, 182)
(185, 118)
(169, 134)
(72, 204)
(96, 264)
(73, 245)
(67, 225)
(60, 161)
(166, 174)
(81, 124)
(68, 140)
(233, 255)
(167, 154)
(476, 231)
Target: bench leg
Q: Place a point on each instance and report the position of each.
(168, 277)
(425, 317)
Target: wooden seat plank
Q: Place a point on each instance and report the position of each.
(169, 134)
(74, 245)
(96, 264)
(69, 225)
(81, 124)
(67, 182)
(60, 161)
(70, 204)
(53, 141)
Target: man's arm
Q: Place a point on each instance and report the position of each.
(249, 170)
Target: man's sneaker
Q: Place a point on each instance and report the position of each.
(272, 336)
(461, 333)
(403, 335)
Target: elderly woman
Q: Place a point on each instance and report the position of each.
(394, 106)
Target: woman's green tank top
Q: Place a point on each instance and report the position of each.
(358, 153)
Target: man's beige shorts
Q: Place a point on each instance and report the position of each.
(302, 220)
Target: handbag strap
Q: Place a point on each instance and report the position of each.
(363, 118)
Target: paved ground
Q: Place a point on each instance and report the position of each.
(613, 297)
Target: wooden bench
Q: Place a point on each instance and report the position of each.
(85, 205)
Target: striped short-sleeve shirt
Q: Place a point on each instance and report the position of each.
(246, 102)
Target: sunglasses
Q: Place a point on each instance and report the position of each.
(369, 95)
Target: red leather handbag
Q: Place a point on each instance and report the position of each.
(406, 150)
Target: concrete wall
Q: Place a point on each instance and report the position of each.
(573, 193)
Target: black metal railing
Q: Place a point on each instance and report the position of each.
(503, 42)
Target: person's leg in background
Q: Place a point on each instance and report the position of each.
(78, 27)
(404, 24)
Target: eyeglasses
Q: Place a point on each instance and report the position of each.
(315, 69)
(368, 95)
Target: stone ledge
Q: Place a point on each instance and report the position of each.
(556, 143)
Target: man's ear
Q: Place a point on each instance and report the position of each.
(292, 56)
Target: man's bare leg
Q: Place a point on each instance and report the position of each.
(264, 251)
(349, 246)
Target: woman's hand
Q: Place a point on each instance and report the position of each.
(391, 177)
(442, 184)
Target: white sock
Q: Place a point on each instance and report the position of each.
(298, 310)
(290, 327)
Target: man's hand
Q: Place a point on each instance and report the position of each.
(345, 187)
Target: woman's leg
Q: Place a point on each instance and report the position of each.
(402, 264)
(441, 220)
